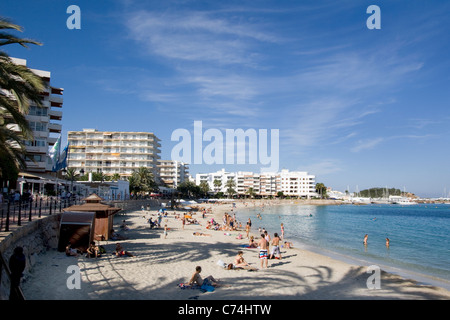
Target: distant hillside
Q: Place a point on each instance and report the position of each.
(383, 193)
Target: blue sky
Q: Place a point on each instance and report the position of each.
(356, 107)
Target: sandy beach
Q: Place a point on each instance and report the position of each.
(160, 264)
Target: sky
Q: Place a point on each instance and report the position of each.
(356, 107)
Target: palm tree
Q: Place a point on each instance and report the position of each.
(19, 86)
(204, 188)
(217, 185)
(11, 153)
(71, 175)
(321, 189)
(142, 180)
(251, 192)
(230, 187)
(115, 177)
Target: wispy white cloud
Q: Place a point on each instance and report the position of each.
(323, 167)
(196, 36)
(367, 144)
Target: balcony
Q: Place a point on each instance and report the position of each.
(40, 134)
(32, 149)
(55, 115)
(56, 101)
(57, 90)
(54, 127)
(35, 166)
(35, 118)
(52, 140)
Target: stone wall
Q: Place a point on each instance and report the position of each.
(35, 237)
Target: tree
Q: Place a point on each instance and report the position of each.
(71, 175)
(141, 180)
(115, 177)
(230, 187)
(217, 185)
(99, 176)
(204, 188)
(19, 86)
(321, 189)
(189, 189)
(251, 192)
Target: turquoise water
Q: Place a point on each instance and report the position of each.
(419, 234)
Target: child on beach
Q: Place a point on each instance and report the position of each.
(120, 252)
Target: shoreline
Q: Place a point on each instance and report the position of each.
(161, 264)
(420, 277)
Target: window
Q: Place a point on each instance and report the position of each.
(34, 158)
(37, 126)
(35, 143)
(37, 111)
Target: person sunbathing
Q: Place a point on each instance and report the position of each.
(240, 263)
(201, 234)
(120, 252)
(71, 251)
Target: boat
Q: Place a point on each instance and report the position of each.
(401, 200)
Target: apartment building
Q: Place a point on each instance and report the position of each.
(45, 123)
(172, 173)
(113, 152)
(297, 183)
(291, 183)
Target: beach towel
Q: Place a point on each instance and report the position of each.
(188, 286)
(205, 287)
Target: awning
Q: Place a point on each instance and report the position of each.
(74, 217)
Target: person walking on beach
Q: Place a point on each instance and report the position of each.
(275, 247)
(263, 245)
(165, 231)
(268, 239)
(247, 229)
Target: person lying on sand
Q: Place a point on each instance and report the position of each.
(71, 251)
(201, 234)
(120, 252)
(116, 236)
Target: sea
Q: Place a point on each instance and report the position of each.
(419, 235)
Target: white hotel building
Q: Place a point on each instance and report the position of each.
(113, 152)
(172, 172)
(44, 122)
(291, 183)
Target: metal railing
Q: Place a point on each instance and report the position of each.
(18, 212)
